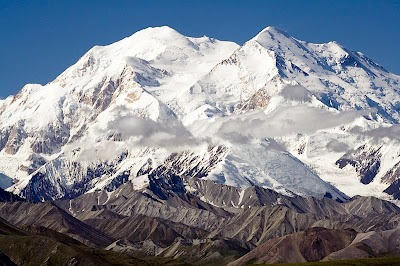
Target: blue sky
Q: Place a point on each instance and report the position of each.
(40, 39)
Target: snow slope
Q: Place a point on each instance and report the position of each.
(300, 118)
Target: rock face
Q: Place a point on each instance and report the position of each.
(52, 217)
(369, 244)
(139, 228)
(311, 245)
(159, 105)
(394, 189)
(8, 196)
(317, 244)
(194, 223)
(254, 216)
(366, 162)
(39, 245)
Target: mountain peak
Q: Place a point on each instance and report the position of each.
(202, 86)
(162, 32)
(272, 31)
(272, 38)
(159, 29)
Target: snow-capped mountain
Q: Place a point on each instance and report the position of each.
(300, 118)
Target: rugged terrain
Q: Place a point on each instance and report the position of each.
(194, 150)
(276, 112)
(258, 226)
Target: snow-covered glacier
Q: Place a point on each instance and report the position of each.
(300, 118)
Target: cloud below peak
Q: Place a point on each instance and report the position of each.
(283, 121)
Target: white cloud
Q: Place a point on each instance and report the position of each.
(169, 134)
(284, 121)
(337, 146)
(391, 132)
(173, 136)
(296, 93)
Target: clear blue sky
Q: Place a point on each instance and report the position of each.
(39, 39)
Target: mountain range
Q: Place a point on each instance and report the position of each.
(205, 151)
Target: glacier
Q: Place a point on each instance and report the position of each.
(296, 117)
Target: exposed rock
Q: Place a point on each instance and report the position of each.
(207, 251)
(6, 196)
(365, 159)
(42, 246)
(11, 139)
(394, 189)
(370, 244)
(139, 228)
(392, 175)
(311, 245)
(50, 216)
